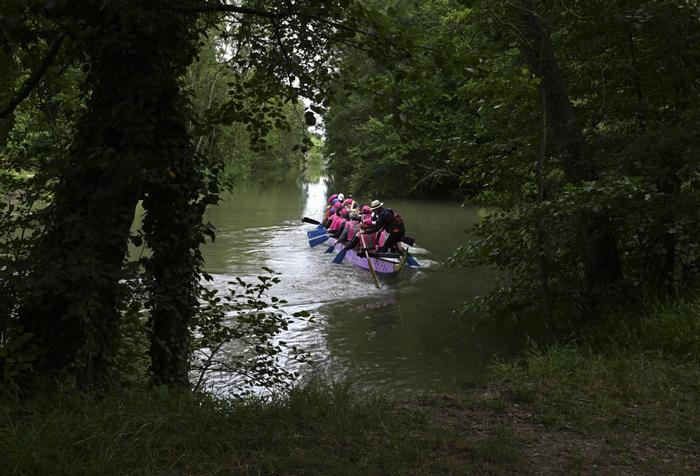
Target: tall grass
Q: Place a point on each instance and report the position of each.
(313, 430)
(638, 372)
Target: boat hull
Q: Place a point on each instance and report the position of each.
(381, 265)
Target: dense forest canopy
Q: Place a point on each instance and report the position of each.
(577, 122)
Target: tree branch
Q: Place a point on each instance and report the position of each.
(226, 9)
(34, 79)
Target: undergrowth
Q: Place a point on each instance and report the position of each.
(633, 373)
(625, 398)
(312, 430)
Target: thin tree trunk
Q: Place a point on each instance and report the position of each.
(539, 177)
(173, 225)
(602, 266)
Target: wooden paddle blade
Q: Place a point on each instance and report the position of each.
(317, 241)
(371, 270)
(341, 256)
(408, 240)
(310, 220)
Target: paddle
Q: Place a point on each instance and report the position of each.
(412, 262)
(314, 242)
(311, 220)
(340, 257)
(330, 248)
(317, 232)
(408, 240)
(371, 269)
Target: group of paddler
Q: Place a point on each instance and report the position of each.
(368, 227)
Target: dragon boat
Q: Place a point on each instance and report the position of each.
(383, 263)
(375, 262)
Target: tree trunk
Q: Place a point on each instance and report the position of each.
(172, 225)
(602, 266)
(74, 295)
(174, 201)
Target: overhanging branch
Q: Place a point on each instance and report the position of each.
(34, 79)
(209, 8)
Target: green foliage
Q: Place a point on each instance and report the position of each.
(251, 137)
(122, 116)
(317, 429)
(236, 349)
(396, 121)
(630, 381)
(646, 362)
(445, 99)
(315, 161)
(640, 136)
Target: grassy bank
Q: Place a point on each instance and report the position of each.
(315, 430)
(626, 397)
(625, 400)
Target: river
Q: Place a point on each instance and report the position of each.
(405, 338)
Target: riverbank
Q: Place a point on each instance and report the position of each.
(625, 401)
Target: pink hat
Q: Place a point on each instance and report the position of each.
(367, 220)
(332, 197)
(344, 212)
(365, 210)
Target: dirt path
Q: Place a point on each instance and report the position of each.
(508, 437)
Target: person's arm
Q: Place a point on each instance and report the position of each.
(343, 237)
(352, 243)
(382, 221)
(338, 231)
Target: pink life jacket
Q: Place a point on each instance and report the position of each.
(354, 226)
(382, 238)
(337, 221)
(368, 240)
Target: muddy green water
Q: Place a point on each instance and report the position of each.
(404, 338)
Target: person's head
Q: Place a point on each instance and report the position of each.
(365, 210)
(376, 206)
(344, 212)
(341, 197)
(336, 203)
(366, 221)
(332, 197)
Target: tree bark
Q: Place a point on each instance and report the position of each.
(74, 293)
(174, 201)
(602, 266)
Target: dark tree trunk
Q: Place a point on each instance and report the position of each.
(602, 266)
(172, 225)
(74, 294)
(664, 258)
(173, 221)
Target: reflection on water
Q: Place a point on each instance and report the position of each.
(402, 338)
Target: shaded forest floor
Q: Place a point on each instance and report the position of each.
(501, 434)
(624, 402)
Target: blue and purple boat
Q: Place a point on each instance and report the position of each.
(383, 263)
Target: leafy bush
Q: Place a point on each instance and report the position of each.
(236, 349)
